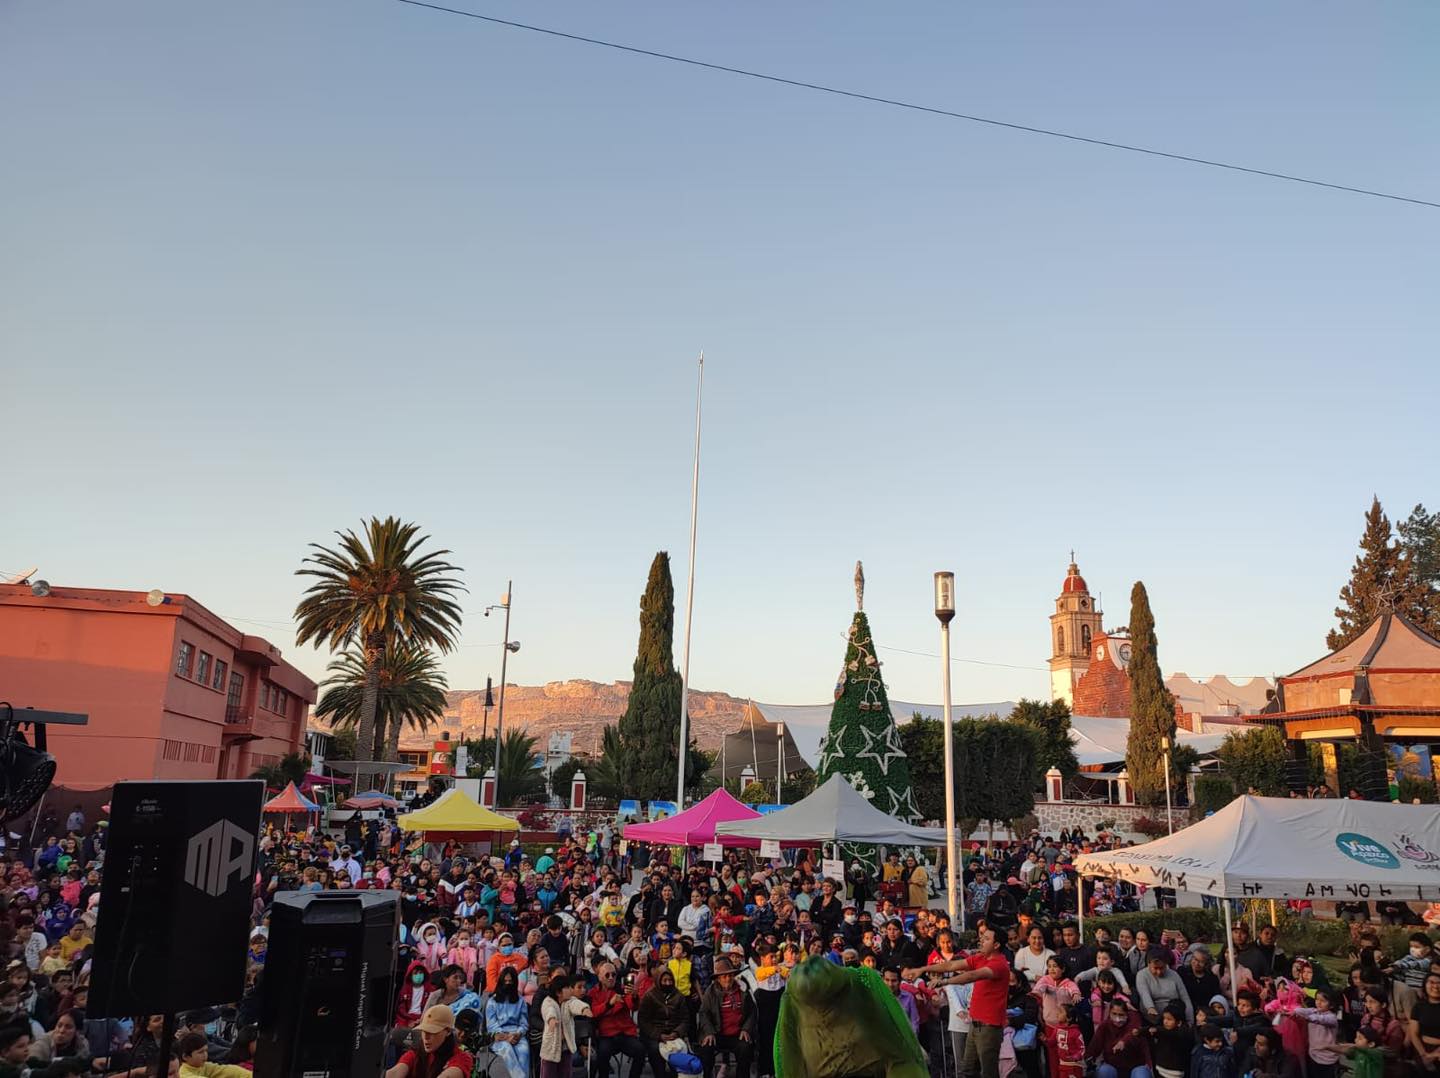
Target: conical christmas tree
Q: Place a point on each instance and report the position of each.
(862, 744)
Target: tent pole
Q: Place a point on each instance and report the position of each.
(1080, 904)
(1273, 923)
(1230, 952)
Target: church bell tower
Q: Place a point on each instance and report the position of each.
(1073, 626)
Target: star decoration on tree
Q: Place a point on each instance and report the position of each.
(831, 750)
(888, 743)
(903, 804)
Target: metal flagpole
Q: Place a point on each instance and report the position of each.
(689, 600)
(500, 713)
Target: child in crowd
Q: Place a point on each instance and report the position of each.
(1322, 1023)
(1212, 1057)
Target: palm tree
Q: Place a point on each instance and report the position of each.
(520, 779)
(411, 692)
(375, 590)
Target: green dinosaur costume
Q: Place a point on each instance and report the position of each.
(838, 1022)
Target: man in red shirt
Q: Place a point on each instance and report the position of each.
(615, 1031)
(727, 1020)
(988, 970)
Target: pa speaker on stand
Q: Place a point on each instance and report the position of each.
(329, 984)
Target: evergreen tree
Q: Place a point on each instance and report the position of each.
(1152, 708)
(649, 731)
(1052, 722)
(1420, 549)
(862, 744)
(997, 768)
(924, 743)
(1377, 581)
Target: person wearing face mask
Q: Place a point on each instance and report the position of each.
(664, 1016)
(851, 930)
(505, 955)
(1119, 1049)
(414, 990)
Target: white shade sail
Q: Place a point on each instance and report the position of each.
(1274, 847)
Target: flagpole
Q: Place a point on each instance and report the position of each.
(689, 599)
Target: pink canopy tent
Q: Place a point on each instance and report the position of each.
(696, 825)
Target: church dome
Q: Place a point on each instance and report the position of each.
(1074, 582)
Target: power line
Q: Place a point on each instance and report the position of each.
(958, 659)
(916, 107)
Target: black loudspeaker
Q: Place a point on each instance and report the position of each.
(179, 871)
(328, 989)
(1297, 775)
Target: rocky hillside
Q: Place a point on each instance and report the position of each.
(581, 708)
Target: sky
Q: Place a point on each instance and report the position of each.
(269, 268)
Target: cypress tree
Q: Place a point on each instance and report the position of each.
(649, 731)
(1376, 580)
(862, 743)
(1152, 707)
(1420, 553)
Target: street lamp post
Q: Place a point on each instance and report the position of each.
(506, 647)
(779, 761)
(944, 611)
(1169, 817)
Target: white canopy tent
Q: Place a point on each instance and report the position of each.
(835, 812)
(1273, 847)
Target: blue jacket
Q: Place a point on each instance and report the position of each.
(1207, 1064)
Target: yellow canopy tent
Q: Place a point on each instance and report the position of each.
(455, 814)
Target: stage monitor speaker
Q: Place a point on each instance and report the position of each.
(328, 989)
(179, 874)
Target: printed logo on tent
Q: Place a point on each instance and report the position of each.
(1411, 850)
(1366, 850)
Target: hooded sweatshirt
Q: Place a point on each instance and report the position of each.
(410, 1005)
(1123, 1047)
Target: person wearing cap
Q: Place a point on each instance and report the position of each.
(727, 1020)
(347, 861)
(443, 1056)
(513, 855)
(546, 861)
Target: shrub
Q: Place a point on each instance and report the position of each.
(1417, 789)
(534, 820)
(1147, 825)
(1207, 925)
(1212, 793)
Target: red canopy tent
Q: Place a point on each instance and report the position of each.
(290, 800)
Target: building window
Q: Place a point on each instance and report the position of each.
(187, 657)
(232, 698)
(1060, 640)
(282, 701)
(1085, 639)
(218, 682)
(202, 668)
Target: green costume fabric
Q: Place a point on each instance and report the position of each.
(839, 1022)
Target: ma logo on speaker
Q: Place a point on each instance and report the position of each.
(217, 854)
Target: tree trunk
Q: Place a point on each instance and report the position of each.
(370, 700)
(392, 749)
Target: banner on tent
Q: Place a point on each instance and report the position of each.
(832, 868)
(713, 851)
(769, 849)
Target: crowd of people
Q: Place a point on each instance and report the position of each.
(595, 957)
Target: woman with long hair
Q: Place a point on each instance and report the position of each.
(507, 1021)
(439, 1055)
(62, 1042)
(453, 992)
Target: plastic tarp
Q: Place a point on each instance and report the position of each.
(455, 813)
(833, 813)
(1275, 847)
(370, 799)
(290, 800)
(696, 825)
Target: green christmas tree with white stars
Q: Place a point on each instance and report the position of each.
(862, 744)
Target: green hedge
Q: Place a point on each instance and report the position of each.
(1207, 925)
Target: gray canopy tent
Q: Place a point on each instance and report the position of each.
(835, 812)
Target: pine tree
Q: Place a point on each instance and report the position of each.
(1377, 581)
(862, 744)
(1420, 552)
(1152, 708)
(649, 731)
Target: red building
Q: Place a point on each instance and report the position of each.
(172, 691)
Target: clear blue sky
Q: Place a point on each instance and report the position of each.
(270, 267)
